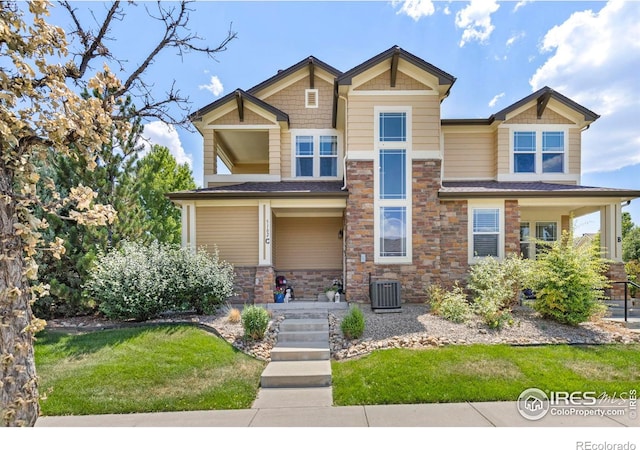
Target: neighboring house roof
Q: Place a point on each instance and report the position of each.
(541, 96)
(443, 77)
(497, 189)
(266, 190)
(241, 95)
(586, 240)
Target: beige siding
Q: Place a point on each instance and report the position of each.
(575, 143)
(285, 154)
(250, 169)
(209, 157)
(469, 155)
(530, 116)
(234, 230)
(383, 83)
(308, 243)
(425, 114)
(250, 118)
(503, 150)
(274, 151)
(291, 100)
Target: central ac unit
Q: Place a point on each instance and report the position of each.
(385, 295)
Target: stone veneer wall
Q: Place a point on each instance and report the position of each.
(512, 227)
(307, 284)
(243, 286)
(265, 283)
(455, 243)
(616, 272)
(425, 269)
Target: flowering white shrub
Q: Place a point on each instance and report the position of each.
(140, 281)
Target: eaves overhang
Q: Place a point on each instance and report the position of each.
(239, 95)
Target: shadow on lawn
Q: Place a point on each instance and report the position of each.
(84, 343)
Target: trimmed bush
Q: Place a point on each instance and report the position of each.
(352, 325)
(451, 305)
(255, 321)
(497, 286)
(569, 282)
(141, 281)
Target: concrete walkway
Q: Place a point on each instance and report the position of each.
(485, 414)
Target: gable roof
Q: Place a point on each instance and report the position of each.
(541, 96)
(443, 77)
(280, 115)
(282, 74)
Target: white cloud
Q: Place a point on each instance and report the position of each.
(495, 99)
(214, 86)
(159, 133)
(416, 9)
(514, 38)
(520, 4)
(446, 11)
(475, 19)
(594, 60)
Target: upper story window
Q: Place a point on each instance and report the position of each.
(539, 151)
(316, 154)
(393, 127)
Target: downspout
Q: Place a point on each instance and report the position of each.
(344, 175)
(346, 134)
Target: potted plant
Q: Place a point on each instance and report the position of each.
(278, 295)
(330, 292)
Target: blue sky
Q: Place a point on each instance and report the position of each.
(499, 51)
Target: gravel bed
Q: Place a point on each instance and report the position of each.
(413, 327)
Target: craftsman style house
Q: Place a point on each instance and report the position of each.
(355, 175)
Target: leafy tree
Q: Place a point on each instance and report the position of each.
(158, 173)
(41, 114)
(627, 224)
(631, 245)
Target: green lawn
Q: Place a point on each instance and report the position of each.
(483, 373)
(168, 368)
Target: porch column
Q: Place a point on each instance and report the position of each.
(265, 233)
(188, 217)
(611, 231)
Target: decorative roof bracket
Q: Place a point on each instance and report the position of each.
(394, 66)
(311, 73)
(240, 103)
(543, 100)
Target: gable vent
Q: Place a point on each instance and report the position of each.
(311, 98)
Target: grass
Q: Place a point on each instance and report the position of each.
(482, 373)
(167, 368)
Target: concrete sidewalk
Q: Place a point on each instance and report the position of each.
(486, 414)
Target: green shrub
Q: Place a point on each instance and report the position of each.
(255, 321)
(633, 273)
(451, 305)
(569, 282)
(497, 287)
(141, 281)
(352, 325)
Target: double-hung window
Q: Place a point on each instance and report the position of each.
(486, 229)
(392, 180)
(539, 151)
(316, 154)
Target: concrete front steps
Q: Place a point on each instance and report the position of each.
(299, 373)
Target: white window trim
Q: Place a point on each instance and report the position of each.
(406, 202)
(484, 204)
(316, 133)
(539, 129)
